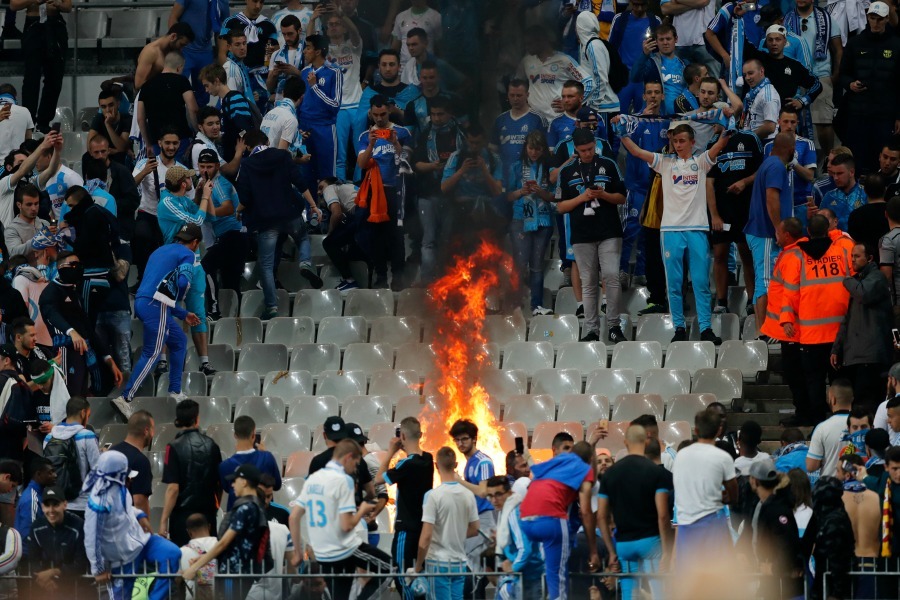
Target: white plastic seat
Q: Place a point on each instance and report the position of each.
(157, 461)
(655, 327)
(556, 329)
(102, 412)
(737, 300)
(727, 326)
(584, 356)
(221, 358)
(287, 384)
(413, 302)
(556, 382)
(341, 384)
(396, 330)
(726, 384)
(635, 299)
(290, 490)
(545, 432)
(750, 331)
(666, 382)
(228, 303)
(157, 498)
(691, 356)
(213, 409)
(318, 304)
(584, 408)
(311, 410)
(672, 433)
(367, 410)
(112, 433)
(262, 409)
(164, 433)
(235, 384)
(630, 406)
(530, 409)
(370, 304)
(368, 357)
(297, 464)
(394, 383)
(492, 355)
(342, 330)
(503, 384)
(291, 277)
(528, 356)
(615, 437)
(253, 303)
(611, 382)
(148, 387)
(290, 331)
(565, 303)
(415, 406)
(415, 357)
(315, 358)
(263, 358)
(162, 409)
(503, 330)
(381, 434)
(281, 439)
(684, 407)
(750, 357)
(508, 431)
(553, 276)
(638, 356)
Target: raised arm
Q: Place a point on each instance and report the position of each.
(636, 151)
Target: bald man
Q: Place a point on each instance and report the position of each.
(770, 203)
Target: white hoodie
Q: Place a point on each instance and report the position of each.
(594, 59)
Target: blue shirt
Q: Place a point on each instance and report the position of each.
(844, 203)
(480, 467)
(560, 128)
(805, 153)
(651, 136)
(261, 459)
(771, 174)
(174, 211)
(223, 192)
(472, 184)
(321, 101)
(632, 44)
(197, 14)
(673, 82)
(28, 508)
(384, 152)
(721, 26)
(510, 133)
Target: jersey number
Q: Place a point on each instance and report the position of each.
(316, 510)
(826, 270)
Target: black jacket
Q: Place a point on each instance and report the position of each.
(60, 305)
(265, 186)
(125, 191)
(193, 463)
(96, 234)
(12, 305)
(19, 409)
(865, 333)
(873, 59)
(60, 547)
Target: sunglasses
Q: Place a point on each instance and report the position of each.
(804, 24)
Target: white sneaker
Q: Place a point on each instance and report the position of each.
(178, 397)
(720, 310)
(123, 406)
(540, 310)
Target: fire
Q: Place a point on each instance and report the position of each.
(460, 303)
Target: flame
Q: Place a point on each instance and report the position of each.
(460, 303)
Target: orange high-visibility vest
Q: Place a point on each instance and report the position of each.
(771, 327)
(813, 296)
(842, 239)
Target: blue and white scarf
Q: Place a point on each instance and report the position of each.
(245, 76)
(750, 98)
(792, 22)
(691, 98)
(250, 26)
(535, 212)
(106, 483)
(627, 124)
(854, 487)
(7, 99)
(736, 50)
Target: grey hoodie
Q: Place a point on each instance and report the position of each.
(88, 447)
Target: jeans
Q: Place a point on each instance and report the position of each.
(342, 139)
(704, 538)
(588, 256)
(114, 328)
(446, 588)
(341, 244)
(267, 249)
(529, 248)
(694, 244)
(640, 556)
(553, 535)
(159, 554)
(436, 217)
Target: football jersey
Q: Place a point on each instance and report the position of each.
(59, 184)
(546, 79)
(480, 467)
(347, 58)
(326, 495)
(684, 191)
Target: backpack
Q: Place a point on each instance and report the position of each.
(63, 455)
(618, 72)
(262, 551)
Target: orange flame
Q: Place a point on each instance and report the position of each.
(460, 302)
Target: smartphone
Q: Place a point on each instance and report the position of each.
(726, 226)
(531, 182)
(280, 63)
(55, 127)
(257, 439)
(383, 134)
(520, 445)
(848, 467)
(397, 430)
(896, 333)
(242, 133)
(750, 6)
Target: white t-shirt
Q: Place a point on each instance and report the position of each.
(430, 21)
(279, 543)
(684, 191)
(31, 292)
(194, 549)
(327, 494)
(881, 422)
(347, 58)
(698, 473)
(826, 442)
(742, 463)
(765, 107)
(279, 124)
(59, 184)
(7, 201)
(450, 508)
(546, 79)
(149, 196)
(345, 194)
(13, 129)
(691, 25)
(304, 14)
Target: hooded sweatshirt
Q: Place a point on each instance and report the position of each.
(88, 448)
(595, 60)
(265, 187)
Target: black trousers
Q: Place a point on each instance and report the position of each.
(385, 240)
(404, 549)
(792, 368)
(655, 272)
(147, 238)
(868, 384)
(44, 48)
(365, 557)
(224, 264)
(341, 244)
(816, 361)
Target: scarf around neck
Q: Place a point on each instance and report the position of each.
(250, 26)
(792, 22)
(750, 98)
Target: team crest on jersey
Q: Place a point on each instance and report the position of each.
(554, 68)
(524, 128)
(756, 18)
(601, 171)
(321, 81)
(694, 167)
(787, 71)
(741, 147)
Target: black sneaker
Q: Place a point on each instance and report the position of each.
(207, 370)
(579, 312)
(707, 335)
(680, 335)
(653, 309)
(397, 283)
(380, 283)
(311, 276)
(161, 367)
(591, 336)
(616, 335)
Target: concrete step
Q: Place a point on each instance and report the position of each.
(764, 419)
(766, 391)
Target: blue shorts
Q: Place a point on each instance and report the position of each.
(764, 251)
(195, 301)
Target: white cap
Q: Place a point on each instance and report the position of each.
(878, 8)
(776, 30)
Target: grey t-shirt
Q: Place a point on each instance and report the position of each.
(889, 256)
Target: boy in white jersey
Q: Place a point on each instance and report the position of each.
(327, 500)
(685, 222)
(280, 123)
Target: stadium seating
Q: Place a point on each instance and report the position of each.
(611, 382)
(394, 383)
(396, 330)
(556, 382)
(528, 356)
(290, 331)
(628, 407)
(342, 330)
(316, 358)
(365, 411)
(530, 409)
(691, 356)
(684, 407)
(263, 358)
(556, 329)
(638, 356)
(235, 384)
(666, 382)
(545, 432)
(726, 384)
(341, 384)
(750, 357)
(370, 304)
(262, 409)
(287, 384)
(583, 408)
(583, 356)
(318, 304)
(193, 383)
(311, 410)
(368, 357)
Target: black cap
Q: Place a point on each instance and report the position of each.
(189, 232)
(878, 440)
(335, 429)
(246, 471)
(355, 433)
(208, 156)
(8, 350)
(53, 493)
(586, 113)
(580, 137)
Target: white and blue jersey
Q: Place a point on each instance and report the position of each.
(58, 185)
(224, 192)
(480, 467)
(649, 136)
(291, 56)
(304, 14)
(322, 100)
(347, 58)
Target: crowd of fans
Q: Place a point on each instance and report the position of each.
(654, 142)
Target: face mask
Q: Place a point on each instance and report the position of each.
(71, 275)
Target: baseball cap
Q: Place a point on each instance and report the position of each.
(176, 174)
(586, 113)
(355, 433)
(335, 429)
(8, 351)
(776, 30)
(580, 137)
(54, 493)
(207, 156)
(878, 8)
(246, 471)
(189, 232)
(763, 470)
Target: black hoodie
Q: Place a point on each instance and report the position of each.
(815, 247)
(265, 186)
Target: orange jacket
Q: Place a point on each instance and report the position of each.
(813, 296)
(771, 327)
(843, 239)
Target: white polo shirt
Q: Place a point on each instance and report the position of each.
(326, 495)
(684, 191)
(450, 508)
